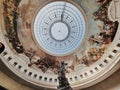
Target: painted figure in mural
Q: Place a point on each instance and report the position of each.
(63, 82)
(2, 47)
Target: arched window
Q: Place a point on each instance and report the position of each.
(2, 47)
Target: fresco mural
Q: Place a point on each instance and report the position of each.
(18, 18)
(10, 16)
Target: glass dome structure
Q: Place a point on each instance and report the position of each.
(59, 27)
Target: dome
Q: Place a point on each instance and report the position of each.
(36, 35)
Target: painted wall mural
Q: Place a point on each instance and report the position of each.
(18, 18)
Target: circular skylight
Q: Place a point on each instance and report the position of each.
(59, 28)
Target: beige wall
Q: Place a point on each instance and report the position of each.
(10, 84)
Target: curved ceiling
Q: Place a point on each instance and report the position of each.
(37, 35)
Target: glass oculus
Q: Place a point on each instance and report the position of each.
(59, 28)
